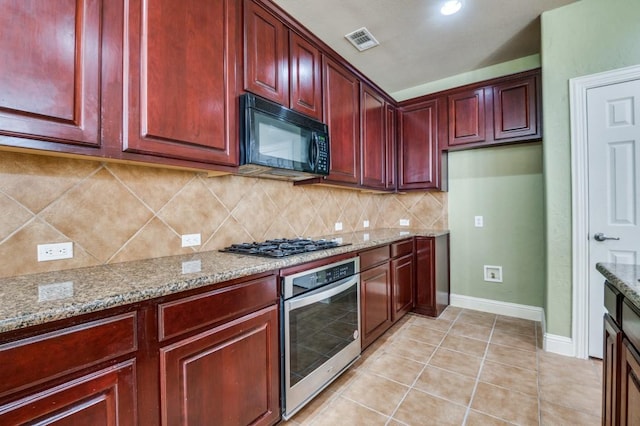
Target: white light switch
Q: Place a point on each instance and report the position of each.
(479, 221)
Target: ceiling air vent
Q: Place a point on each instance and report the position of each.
(362, 39)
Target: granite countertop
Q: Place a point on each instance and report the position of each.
(625, 278)
(29, 300)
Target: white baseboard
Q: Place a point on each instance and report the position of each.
(559, 345)
(532, 313)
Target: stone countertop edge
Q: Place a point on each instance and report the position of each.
(625, 278)
(35, 299)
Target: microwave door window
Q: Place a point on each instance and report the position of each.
(281, 144)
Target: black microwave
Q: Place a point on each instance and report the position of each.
(277, 142)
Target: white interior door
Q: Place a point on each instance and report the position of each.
(613, 134)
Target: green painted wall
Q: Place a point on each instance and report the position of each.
(583, 38)
(505, 186)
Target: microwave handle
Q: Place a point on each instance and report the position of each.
(314, 150)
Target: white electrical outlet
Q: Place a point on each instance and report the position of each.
(365, 237)
(493, 273)
(404, 222)
(55, 251)
(478, 221)
(190, 240)
(338, 226)
(365, 224)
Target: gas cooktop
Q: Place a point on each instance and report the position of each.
(282, 247)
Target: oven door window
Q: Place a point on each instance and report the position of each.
(319, 330)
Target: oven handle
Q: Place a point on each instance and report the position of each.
(321, 293)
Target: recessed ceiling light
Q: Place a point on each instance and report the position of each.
(450, 7)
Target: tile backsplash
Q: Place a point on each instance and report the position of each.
(117, 212)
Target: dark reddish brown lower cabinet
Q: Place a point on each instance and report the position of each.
(611, 372)
(375, 303)
(630, 385)
(432, 275)
(106, 397)
(228, 375)
(402, 280)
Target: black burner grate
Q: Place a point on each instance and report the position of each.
(281, 247)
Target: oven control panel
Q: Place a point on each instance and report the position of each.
(308, 280)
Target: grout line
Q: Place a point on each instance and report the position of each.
(391, 417)
(475, 386)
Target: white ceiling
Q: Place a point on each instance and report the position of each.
(418, 45)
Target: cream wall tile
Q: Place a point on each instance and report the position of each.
(117, 212)
(19, 252)
(100, 214)
(36, 181)
(12, 216)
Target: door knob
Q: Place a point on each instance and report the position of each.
(601, 237)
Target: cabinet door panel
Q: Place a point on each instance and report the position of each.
(266, 54)
(630, 386)
(403, 276)
(391, 146)
(373, 149)
(106, 398)
(305, 78)
(180, 101)
(375, 300)
(467, 117)
(341, 112)
(514, 110)
(50, 73)
(611, 372)
(229, 374)
(418, 152)
(425, 276)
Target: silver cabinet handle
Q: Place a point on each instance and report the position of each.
(601, 237)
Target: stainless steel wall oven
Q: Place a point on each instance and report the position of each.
(320, 329)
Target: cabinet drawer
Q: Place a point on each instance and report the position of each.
(50, 355)
(215, 306)
(631, 323)
(402, 248)
(613, 302)
(373, 257)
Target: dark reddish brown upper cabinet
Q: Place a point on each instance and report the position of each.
(391, 146)
(432, 275)
(50, 78)
(402, 278)
(499, 111)
(515, 109)
(467, 117)
(342, 115)
(180, 71)
(266, 49)
(228, 373)
(418, 153)
(305, 78)
(374, 139)
(280, 65)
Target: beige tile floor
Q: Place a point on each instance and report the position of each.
(464, 368)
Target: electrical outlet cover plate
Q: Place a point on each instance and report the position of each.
(55, 251)
(493, 273)
(404, 222)
(190, 240)
(338, 226)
